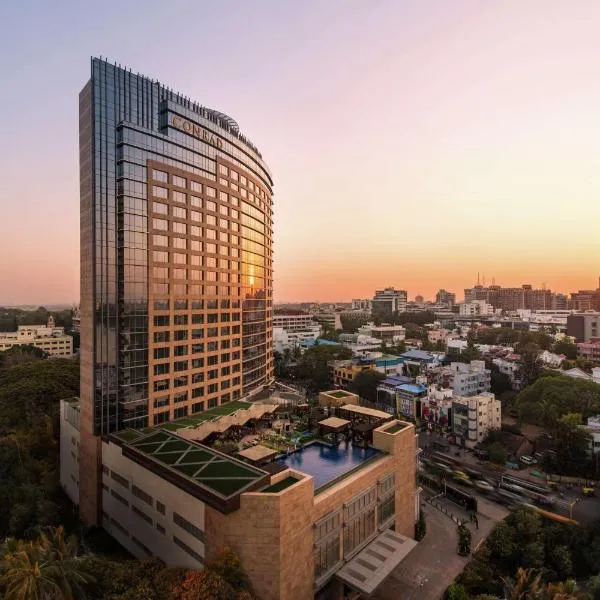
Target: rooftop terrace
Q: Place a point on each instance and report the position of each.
(210, 476)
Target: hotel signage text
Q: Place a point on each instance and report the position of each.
(197, 131)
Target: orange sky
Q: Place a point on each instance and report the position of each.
(412, 144)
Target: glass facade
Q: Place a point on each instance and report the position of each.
(182, 254)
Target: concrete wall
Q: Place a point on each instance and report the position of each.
(273, 536)
(175, 500)
(69, 456)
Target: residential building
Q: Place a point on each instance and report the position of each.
(589, 350)
(294, 321)
(475, 308)
(585, 300)
(437, 335)
(389, 334)
(444, 298)
(583, 326)
(329, 320)
(511, 298)
(593, 428)
(578, 373)
(176, 262)
(436, 407)
(421, 360)
(551, 359)
(301, 529)
(473, 418)
(463, 379)
(408, 396)
(49, 338)
(387, 302)
(343, 372)
(510, 365)
(361, 304)
(76, 319)
(289, 340)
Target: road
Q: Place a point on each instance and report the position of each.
(572, 503)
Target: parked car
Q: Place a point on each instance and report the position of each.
(528, 460)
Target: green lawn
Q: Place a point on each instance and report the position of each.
(211, 413)
(280, 485)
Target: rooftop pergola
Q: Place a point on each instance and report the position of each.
(258, 454)
(333, 425)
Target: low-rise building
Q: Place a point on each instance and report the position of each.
(49, 338)
(289, 340)
(583, 326)
(301, 528)
(437, 335)
(464, 379)
(473, 418)
(408, 397)
(329, 320)
(294, 321)
(475, 308)
(361, 304)
(390, 334)
(510, 365)
(593, 428)
(550, 359)
(589, 350)
(578, 373)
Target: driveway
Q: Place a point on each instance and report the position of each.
(432, 566)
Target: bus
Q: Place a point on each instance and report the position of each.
(444, 458)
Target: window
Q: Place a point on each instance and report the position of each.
(327, 543)
(119, 479)
(198, 393)
(119, 498)
(180, 319)
(187, 549)
(179, 181)
(161, 402)
(386, 507)
(161, 224)
(359, 520)
(161, 369)
(160, 507)
(159, 176)
(180, 412)
(187, 526)
(161, 385)
(136, 511)
(159, 192)
(181, 304)
(180, 350)
(180, 335)
(160, 208)
(181, 365)
(179, 212)
(180, 381)
(210, 205)
(196, 187)
(178, 197)
(160, 272)
(181, 397)
(161, 305)
(161, 320)
(180, 243)
(160, 528)
(198, 407)
(179, 228)
(196, 232)
(162, 417)
(210, 191)
(161, 336)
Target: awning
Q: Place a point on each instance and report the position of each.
(367, 570)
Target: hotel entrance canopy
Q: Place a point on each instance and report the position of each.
(368, 569)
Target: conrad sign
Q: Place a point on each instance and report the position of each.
(197, 131)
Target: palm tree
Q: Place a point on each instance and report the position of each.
(47, 569)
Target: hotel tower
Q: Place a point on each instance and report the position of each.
(176, 261)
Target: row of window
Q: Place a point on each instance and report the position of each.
(166, 273)
(163, 385)
(195, 408)
(179, 228)
(177, 243)
(179, 212)
(184, 289)
(184, 365)
(197, 348)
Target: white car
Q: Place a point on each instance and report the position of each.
(484, 486)
(528, 460)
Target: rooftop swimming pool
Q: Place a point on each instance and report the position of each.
(326, 463)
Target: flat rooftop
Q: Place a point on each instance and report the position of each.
(328, 464)
(210, 476)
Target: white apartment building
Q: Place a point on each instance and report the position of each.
(49, 338)
(388, 301)
(329, 320)
(593, 428)
(510, 365)
(470, 379)
(390, 334)
(294, 322)
(289, 340)
(475, 308)
(473, 418)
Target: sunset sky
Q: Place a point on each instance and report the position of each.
(412, 144)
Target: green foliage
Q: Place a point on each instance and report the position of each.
(420, 527)
(313, 370)
(464, 540)
(30, 494)
(11, 318)
(544, 402)
(44, 568)
(497, 453)
(456, 592)
(352, 321)
(365, 384)
(571, 443)
(567, 348)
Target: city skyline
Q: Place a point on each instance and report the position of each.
(451, 139)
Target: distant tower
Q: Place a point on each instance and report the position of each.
(51, 323)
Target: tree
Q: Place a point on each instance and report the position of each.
(464, 540)
(567, 348)
(571, 443)
(456, 592)
(45, 568)
(365, 384)
(313, 368)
